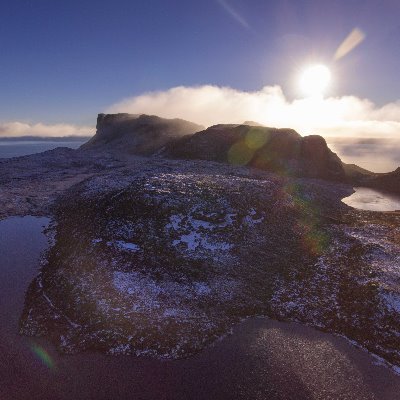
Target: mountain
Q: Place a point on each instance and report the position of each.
(278, 150)
(282, 151)
(137, 134)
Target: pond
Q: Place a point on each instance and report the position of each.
(373, 200)
(14, 148)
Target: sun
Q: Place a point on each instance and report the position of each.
(315, 80)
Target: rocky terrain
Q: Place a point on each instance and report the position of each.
(389, 181)
(158, 262)
(385, 181)
(30, 184)
(278, 150)
(161, 256)
(137, 134)
(283, 151)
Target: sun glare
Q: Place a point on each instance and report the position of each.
(315, 80)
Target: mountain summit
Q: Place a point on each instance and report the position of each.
(278, 150)
(137, 134)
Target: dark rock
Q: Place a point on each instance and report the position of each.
(354, 173)
(279, 150)
(389, 181)
(137, 134)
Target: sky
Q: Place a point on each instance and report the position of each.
(63, 62)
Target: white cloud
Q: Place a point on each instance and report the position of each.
(16, 129)
(209, 105)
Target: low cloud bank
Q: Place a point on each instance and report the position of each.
(209, 105)
(18, 129)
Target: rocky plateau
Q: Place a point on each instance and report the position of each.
(164, 235)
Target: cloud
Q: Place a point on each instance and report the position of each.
(17, 129)
(209, 105)
(378, 154)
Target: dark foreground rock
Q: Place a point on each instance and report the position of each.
(163, 259)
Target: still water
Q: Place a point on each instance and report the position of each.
(262, 359)
(373, 200)
(10, 149)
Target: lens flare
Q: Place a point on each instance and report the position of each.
(314, 240)
(355, 38)
(43, 355)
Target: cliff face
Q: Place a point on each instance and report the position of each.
(137, 134)
(278, 150)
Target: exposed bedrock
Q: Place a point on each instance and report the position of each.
(278, 150)
(137, 134)
(165, 263)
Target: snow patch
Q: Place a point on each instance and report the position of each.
(127, 246)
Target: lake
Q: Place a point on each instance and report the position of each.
(262, 359)
(10, 148)
(373, 200)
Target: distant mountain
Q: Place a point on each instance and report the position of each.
(138, 134)
(389, 181)
(252, 123)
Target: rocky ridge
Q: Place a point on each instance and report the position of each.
(282, 151)
(137, 134)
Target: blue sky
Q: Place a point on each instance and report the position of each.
(65, 61)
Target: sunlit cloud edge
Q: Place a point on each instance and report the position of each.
(209, 105)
